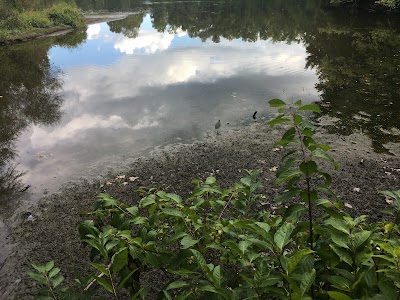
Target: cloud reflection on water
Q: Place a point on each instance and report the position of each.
(162, 86)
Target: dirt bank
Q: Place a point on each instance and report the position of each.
(52, 235)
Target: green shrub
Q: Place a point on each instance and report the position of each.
(36, 19)
(221, 244)
(64, 14)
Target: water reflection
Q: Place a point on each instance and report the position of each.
(29, 87)
(162, 86)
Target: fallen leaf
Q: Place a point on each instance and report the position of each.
(348, 205)
(276, 149)
(273, 169)
(133, 178)
(108, 183)
(356, 190)
(389, 200)
(125, 183)
(120, 177)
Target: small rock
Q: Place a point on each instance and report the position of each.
(120, 177)
(133, 178)
(348, 205)
(125, 183)
(356, 189)
(273, 169)
(109, 183)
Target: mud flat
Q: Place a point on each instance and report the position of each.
(51, 233)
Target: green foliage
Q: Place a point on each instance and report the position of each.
(16, 22)
(64, 14)
(219, 244)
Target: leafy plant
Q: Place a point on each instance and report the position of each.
(219, 243)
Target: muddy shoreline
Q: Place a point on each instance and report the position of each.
(51, 233)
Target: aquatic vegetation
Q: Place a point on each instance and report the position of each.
(224, 244)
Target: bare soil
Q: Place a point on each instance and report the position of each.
(53, 235)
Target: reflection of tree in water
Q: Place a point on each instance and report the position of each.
(356, 56)
(359, 80)
(129, 26)
(29, 86)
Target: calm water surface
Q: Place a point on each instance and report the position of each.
(74, 105)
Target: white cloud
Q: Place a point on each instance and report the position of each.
(93, 31)
(148, 42)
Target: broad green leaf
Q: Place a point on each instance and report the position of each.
(188, 242)
(37, 277)
(278, 120)
(54, 272)
(217, 274)
(104, 283)
(39, 268)
(133, 210)
(298, 103)
(57, 281)
(208, 288)
(111, 244)
(101, 268)
(288, 175)
(49, 266)
(146, 201)
(340, 283)
(325, 156)
(282, 235)
(243, 245)
(361, 237)
(308, 168)
(276, 103)
(172, 212)
(294, 259)
(307, 279)
(338, 296)
(310, 107)
(176, 285)
(120, 260)
(97, 246)
(176, 236)
(294, 212)
(174, 197)
(246, 181)
(338, 225)
(200, 259)
(210, 180)
(388, 290)
(234, 248)
(340, 239)
(342, 254)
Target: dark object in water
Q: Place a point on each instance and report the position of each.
(254, 115)
(25, 188)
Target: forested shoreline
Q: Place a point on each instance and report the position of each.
(24, 20)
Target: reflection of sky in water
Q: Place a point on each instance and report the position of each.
(123, 96)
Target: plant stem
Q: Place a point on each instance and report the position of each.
(112, 283)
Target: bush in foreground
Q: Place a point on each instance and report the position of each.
(221, 244)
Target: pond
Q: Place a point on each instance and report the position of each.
(73, 106)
